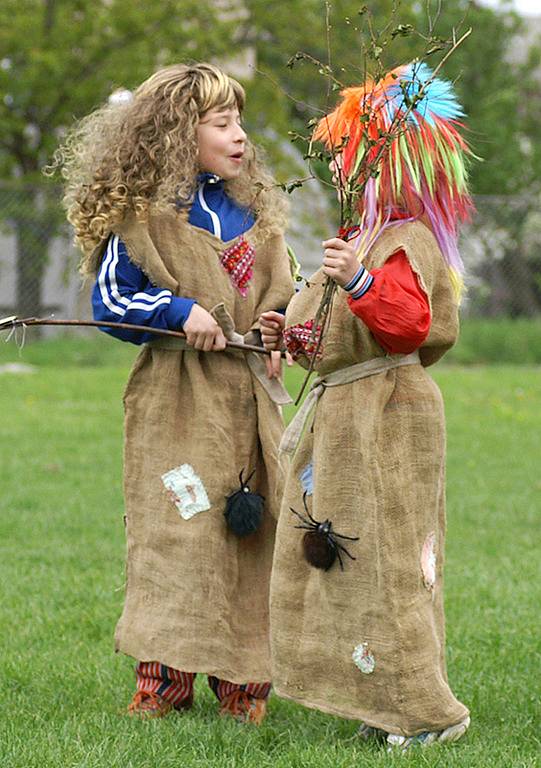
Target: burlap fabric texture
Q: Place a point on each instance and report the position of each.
(196, 595)
(368, 643)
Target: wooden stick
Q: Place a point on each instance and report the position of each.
(15, 322)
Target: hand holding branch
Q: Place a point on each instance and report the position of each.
(203, 332)
(339, 261)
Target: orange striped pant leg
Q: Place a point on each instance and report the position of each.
(173, 685)
(223, 688)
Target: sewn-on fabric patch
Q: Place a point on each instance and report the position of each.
(186, 491)
(428, 561)
(307, 479)
(363, 659)
(238, 261)
(298, 340)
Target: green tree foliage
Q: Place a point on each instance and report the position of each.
(500, 88)
(62, 58)
(502, 99)
(59, 60)
(497, 81)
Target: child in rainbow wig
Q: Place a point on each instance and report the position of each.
(363, 637)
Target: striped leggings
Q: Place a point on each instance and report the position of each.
(176, 687)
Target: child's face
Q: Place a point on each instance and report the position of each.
(221, 141)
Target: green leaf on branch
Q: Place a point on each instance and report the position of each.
(291, 186)
(299, 56)
(403, 30)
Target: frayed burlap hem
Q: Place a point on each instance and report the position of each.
(187, 663)
(362, 716)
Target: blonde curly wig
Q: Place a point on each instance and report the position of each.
(132, 154)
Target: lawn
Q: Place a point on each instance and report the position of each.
(63, 690)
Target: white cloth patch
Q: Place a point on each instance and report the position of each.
(428, 561)
(186, 491)
(364, 659)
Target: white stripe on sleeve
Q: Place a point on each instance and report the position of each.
(109, 257)
(112, 275)
(149, 307)
(141, 296)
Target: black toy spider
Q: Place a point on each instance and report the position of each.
(320, 544)
(244, 509)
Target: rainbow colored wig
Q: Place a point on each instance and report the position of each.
(403, 133)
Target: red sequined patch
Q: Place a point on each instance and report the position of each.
(299, 341)
(238, 261)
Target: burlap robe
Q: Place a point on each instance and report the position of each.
(196, 595)
(378, 451)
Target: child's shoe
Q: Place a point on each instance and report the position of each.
(367, 733)
(243, 707)
(148, 704)
(453, 733)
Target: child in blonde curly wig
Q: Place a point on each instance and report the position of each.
(182, 228)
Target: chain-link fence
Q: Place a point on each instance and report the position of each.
(502, 253)
(38, 265)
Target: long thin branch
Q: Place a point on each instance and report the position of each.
(16, 322)
(449, 53)
(278, 86)
(328, 40)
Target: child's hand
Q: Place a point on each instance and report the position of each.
(274, 365)
(272, 325)
(203, 332)
(339, 261)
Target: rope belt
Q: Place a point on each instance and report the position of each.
(292, 435)
(274, 388)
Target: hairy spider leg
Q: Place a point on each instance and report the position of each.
(304, 495)
(306, 522)
(336, 546)
(339, 546)
(340, 535)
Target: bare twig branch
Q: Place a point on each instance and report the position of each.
(349, 189)
(15, 322)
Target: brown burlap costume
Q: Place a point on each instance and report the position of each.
(196, 595)
(377, 446)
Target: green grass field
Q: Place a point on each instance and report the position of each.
(63, 690)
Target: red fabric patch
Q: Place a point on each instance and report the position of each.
(238, 261)
(300, 341)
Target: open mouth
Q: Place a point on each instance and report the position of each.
(238, 156)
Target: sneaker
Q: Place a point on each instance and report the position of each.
(368, 732)
(148, 704)
(243, 707)
(453, 733)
